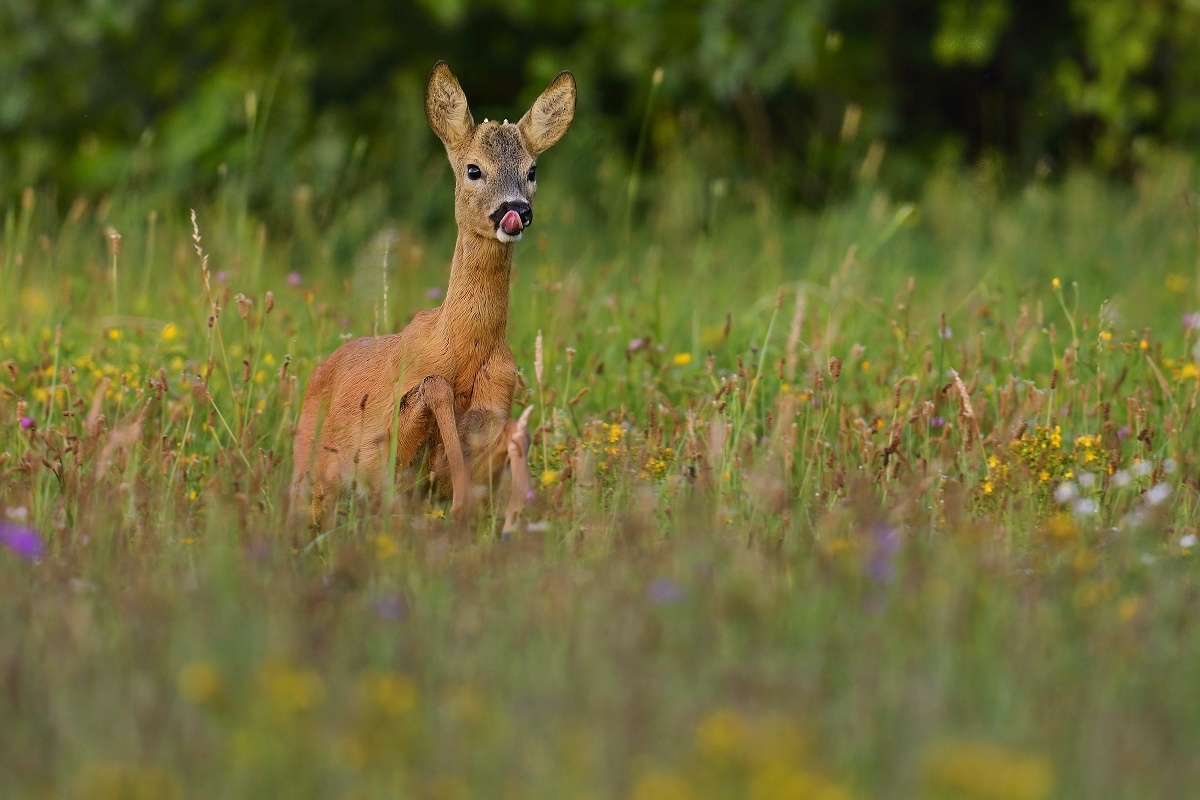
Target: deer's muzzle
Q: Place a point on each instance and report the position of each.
(513, 217)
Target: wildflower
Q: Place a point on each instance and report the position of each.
(27, 423)
(1087, 480)
(662, 786)
(385, 547)
(1176, 283)
(1191, 321)
(1121, 479)
(433, 292)
(721, 736)
(199, 682)
(391, 608)
(24, 542)
(291, 689)
(1145, 345)
(1188, 541)
(937, 422)
(682, 359)
(170, 331)
(1056, 283)
(1157, 494)
(663, 592)
(983, 770)
(389, 692)
(1065, 492)
(885, 541)
(113, 334)
(294, 279)
(1084, 507)
(549, 477)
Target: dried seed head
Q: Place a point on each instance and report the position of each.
(114, 240)
(570, 355)
(244, 304)
(1054, 379)
(269, 302)
(835, 367)
(538, 362)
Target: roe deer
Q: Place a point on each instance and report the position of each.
(444, 385)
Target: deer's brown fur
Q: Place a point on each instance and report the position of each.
(445, 383)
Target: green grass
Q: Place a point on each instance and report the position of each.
(743, 576)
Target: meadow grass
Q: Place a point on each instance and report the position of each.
(897, 499)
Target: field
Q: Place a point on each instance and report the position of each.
(897, 499)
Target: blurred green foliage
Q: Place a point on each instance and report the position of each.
(175, 97)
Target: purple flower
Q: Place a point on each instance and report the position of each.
(663, 592)
(937, 422)
(24, 542)
(1123, 433)
(222, 276)
(434, 292)
(294, 279)
(391, 608)
(881, 566)
(27, 423)
(1191, 321)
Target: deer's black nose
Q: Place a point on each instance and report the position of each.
(523, 209)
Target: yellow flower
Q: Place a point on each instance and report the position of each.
(114, 334)
(170, 332)
(291, 689)
(389, 692)
(682, 359)
(199, 682)
(662, 785)
(1144, 345)
(549, 477)
(987, 771)
(385, 547)
(1056, 283)
(721, 736)
(1176, 283)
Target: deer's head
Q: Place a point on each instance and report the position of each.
(495, 171)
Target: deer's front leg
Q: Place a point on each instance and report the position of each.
(438, 396)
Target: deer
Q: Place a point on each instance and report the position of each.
(437, 396)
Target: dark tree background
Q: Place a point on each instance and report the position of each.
(100, 97)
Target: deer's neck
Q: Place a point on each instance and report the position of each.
(474, 315)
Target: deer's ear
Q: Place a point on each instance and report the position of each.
(551, 114)
(446, 106)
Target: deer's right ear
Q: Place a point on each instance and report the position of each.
(446, 107)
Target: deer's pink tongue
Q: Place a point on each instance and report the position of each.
(511, 223)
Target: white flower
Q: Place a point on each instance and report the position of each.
(1142, 468)
(1169, 465)
(1085, 507)
(1188, 542)
(1157, 493)
(1121, 479)
(1087, 480)
(1065, 492)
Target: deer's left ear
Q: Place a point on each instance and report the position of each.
(551, 114)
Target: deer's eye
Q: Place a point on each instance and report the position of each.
(473, 172)
(532, 176)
